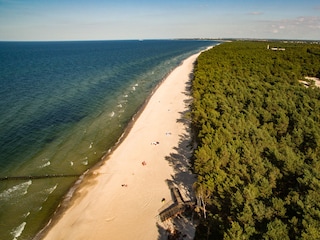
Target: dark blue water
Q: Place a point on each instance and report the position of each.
(62, 106)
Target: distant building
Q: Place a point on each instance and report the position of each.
(275, 48)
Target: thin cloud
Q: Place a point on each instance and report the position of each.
(303, 25)
(255, 13)
(310, 22)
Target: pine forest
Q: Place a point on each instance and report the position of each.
(257, 129)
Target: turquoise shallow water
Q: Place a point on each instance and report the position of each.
(63, 105)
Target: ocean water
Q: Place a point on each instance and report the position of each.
(63, 105)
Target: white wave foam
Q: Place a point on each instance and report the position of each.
(50, 190)
(26, 214)
(85, 161)
(16, 232)
(15, 191)
(45, 165)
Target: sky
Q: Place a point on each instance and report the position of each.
(59, 20)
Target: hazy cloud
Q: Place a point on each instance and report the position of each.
(255, 13)
(305, 25)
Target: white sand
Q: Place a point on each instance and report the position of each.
(316, 80)
(103, 209)
(307, 84)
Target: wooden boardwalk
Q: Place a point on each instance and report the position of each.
(178, 206)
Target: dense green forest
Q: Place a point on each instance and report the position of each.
(258, 133)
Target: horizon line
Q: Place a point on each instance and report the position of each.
(153, 39)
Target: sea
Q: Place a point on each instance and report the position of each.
(63, 106)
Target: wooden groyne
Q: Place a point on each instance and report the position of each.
(7, 178)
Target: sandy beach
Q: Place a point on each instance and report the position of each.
(122, 197)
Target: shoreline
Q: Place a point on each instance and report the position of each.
(89, 173)
(72, 207)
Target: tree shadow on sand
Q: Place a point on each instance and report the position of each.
(181, 226)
